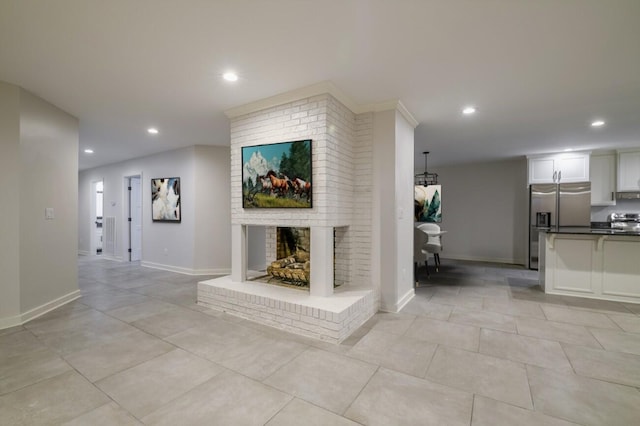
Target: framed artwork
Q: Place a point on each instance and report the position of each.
(277, 175)
(165, 200)
(428, 203)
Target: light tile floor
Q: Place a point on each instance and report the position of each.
(479, 345)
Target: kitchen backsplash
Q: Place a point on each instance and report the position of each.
(599, 214)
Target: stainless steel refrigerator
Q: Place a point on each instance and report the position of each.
(553, 205)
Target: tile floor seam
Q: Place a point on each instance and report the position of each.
(431, 360)
(359, 393)
(279, 411)
(99, 390)
(166, 403)
(596, 338)
(526, 374)
(36, 382)
(285, 364)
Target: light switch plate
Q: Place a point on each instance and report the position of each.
(48, 213)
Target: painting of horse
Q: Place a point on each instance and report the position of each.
(266, 171)
(301, 187)
(280, 184)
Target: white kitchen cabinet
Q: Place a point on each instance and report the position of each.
(559, 168)
(592, 266)
(629, 170)
(602, 168)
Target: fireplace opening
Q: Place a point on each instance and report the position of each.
(282, 256)
(286, 259)
(293, 257)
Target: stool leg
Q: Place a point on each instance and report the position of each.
(426, 265)
(436, 259)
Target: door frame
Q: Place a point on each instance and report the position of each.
(126, 214)
(93, 241)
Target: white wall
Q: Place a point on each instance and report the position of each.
(49, 178)
(10, 206)
(393, 146)
(404, 194)
(38, 162)
(256, 243)
(212, 209)
(384, 246)
(200, 243)
(484, 211)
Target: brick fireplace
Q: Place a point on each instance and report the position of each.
(342, 294)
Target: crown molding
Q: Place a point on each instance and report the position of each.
(324, 87)
(394, 104)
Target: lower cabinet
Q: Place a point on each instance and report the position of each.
(594, 266)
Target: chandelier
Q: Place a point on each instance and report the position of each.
(426, 178)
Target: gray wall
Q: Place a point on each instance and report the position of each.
(38, 164)
(200, 243)
(484, 211)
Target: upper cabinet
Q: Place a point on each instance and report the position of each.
(559, 168)
(629, 170)
(603, 179)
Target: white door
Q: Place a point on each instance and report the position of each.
(136, 219)
(95, 239)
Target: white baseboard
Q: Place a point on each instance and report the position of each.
(397, 307)
(405, 299)
(9, 322)
(509, 261)
(39, 310)
(186, 271)
(84, 253)
(111, 258)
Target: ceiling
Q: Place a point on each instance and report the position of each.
(538, 71)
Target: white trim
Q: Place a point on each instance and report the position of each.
(485, 259)
(39, 310)
(397, 307)
(84, 253)
(405, 299)
(317, 89)
(186, 271)
(9, 322)
(112, 258)
(292, 96)
(50, 306)
(391, 105)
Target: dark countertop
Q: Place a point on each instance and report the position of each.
(588, 231)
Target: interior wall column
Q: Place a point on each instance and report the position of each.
(239, 252)
(321, 261)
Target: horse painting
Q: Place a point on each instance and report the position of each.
(266, 184)
(278, 184)
(301, 187)
(266, 172)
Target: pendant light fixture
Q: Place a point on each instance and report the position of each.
(426, 178)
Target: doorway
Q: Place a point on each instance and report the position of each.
(134, 217)
(97, 197)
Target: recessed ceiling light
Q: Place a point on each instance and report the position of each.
(568, 149)
(88, 151)
(230, 76)
(152, 130)
(469, 110)
(597, 123)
